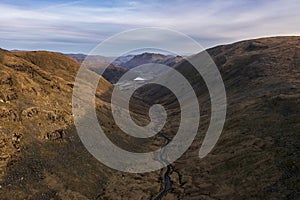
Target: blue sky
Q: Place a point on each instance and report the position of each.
(78, 26)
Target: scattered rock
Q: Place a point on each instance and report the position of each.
(57, 135)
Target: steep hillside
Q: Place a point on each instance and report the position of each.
(36, 90)
(41, 156)
(257, 156)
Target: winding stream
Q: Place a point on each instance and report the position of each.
(166, 178)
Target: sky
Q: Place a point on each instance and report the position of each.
(78, 26)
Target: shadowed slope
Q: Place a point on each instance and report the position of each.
(257, 155)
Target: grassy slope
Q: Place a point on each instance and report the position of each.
(257, 155)
(41, 155)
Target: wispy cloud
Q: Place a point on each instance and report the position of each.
(78, 26)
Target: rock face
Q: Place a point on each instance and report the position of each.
(257, 156)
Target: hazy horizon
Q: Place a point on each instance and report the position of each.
(142, 52)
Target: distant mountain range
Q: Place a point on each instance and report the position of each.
(256, 157)
(119, 66)
(99, 58)
(144, 58)
(131, 61)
